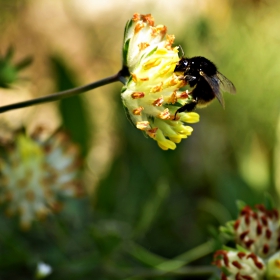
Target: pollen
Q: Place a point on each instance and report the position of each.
(148, 18)
(137, 95)
(165, 115)
(142, 125)
(169, 41)
(173, 98)
(138, 27)
(173, 81)
(136, 17)
(158, 102)
(184, 95)
(142, 46)
(152, 132)
(144, 79)
(138, 111)
(157, 88)
(134, 77)
(160, 29)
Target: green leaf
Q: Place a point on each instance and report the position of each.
(268, 201)
(9, 72)
(240, 204)
(125, 51)
(75, 118)
(127, 27)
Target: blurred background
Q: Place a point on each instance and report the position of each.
(142, 205)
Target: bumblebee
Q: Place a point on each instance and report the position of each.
(201, 73)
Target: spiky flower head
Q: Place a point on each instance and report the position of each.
(35, 174)
(257, 229)
(152, 95)
(239, 265)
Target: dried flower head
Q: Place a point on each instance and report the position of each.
(34, 174)
(152, 95)
(258, 230)
(239, 265)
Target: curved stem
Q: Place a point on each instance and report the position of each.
(190, 271)
(187, 257)
(165, 265)
(65, 93)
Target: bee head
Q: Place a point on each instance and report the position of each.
(182, 65)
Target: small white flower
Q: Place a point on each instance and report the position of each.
(152, 95)
(43, 270)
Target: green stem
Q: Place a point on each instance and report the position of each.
(64, 94)
(143, 255)
(164, 266)
(187, 257)
(189, 271)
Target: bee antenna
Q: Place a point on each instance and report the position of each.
(182, 51)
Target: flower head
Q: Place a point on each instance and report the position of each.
(239, 265)
(34, 174)
(257, 235)
(152, 95)
(258, 230)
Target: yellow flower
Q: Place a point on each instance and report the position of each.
(152, 95)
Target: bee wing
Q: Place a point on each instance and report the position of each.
(214, 83)
(219, 83)
(225, 84)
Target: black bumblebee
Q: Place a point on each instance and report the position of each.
(210, 83)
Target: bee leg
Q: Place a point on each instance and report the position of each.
(189, 78)
(187, 107)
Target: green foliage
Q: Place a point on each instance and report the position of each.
(75, 118)
(9, 71)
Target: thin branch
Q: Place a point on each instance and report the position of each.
(64, 94)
